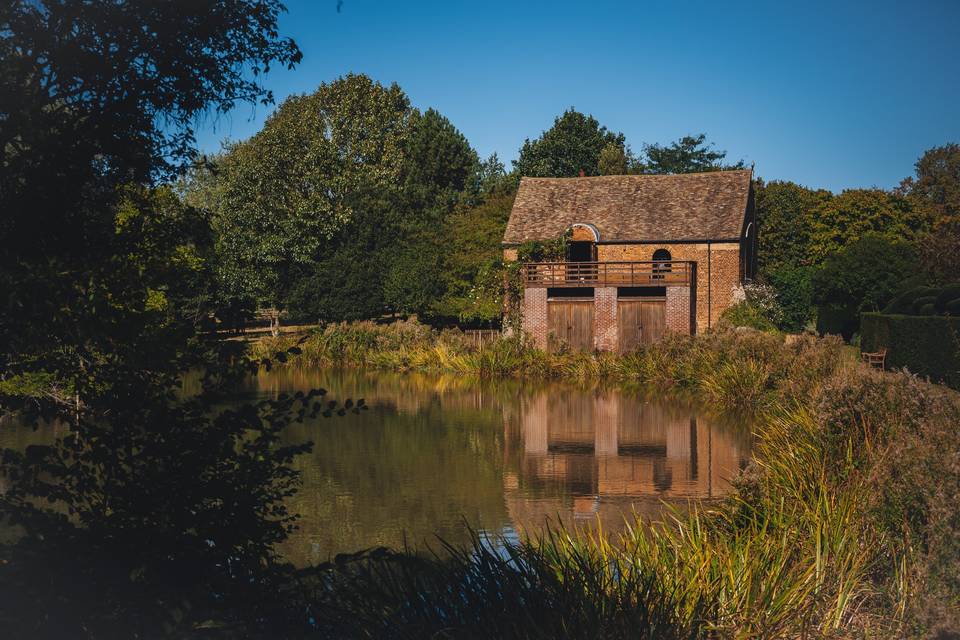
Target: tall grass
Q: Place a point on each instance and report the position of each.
(734, 369)
(847, 523)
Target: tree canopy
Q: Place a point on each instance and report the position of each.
(848, 217)
(784, 223)
(570, 147)
(937, 181)
(689, 154)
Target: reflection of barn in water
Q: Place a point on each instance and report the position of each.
(582, 455)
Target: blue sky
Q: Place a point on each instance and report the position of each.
(828, 94)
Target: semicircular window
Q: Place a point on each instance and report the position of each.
(661, 263)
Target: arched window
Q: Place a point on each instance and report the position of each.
(661, 263)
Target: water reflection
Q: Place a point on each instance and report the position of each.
(589, 457)
(435, 452)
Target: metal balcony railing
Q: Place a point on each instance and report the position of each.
(607, 274)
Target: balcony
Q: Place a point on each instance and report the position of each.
(607, 274)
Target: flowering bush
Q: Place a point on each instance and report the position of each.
(755, 305)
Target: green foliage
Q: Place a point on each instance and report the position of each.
(299, 181)
(155, 503)
(947, 294)
(794, 291)
(864, 276)
(759, 309)
(744, 314)
(440, 164)
(916, 300)
(689, 154)
(837, 320)
(473, 260)
(937, 182)
(347, 285)
(613, 160)
(903, 303)
(939, 251)
(572, 145)
(413, 282)
(544, 250)
(857, 213)
(927, 344)
(783, 217)
(492, 178)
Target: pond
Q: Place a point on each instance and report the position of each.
(434, 453)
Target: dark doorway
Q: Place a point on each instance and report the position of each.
(581, 251)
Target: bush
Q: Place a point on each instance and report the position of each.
(837, 320)
(744, 314)
(794, 287)
(927, 345)
(903, 303)
(923, 301)
(947, 294)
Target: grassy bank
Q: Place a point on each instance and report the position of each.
(847, 525)
(736, 369)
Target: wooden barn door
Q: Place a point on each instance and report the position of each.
(640, 322)
(571, 321)
(653, 319)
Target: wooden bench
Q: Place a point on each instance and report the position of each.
(875, 359)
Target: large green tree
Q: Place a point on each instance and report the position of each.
(570, 147)
(286, 192)
(784, 223)
(844, 219)
(440, 163)
(937, 181)
(689, 154)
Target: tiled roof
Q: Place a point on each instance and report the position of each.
(691, 206)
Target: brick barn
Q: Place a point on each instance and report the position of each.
(645, 255)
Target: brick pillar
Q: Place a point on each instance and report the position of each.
(605, 335)
(678, 310)
(535, 315)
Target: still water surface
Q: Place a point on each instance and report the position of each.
(433, 453)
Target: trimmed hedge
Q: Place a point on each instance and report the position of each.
(926, 345)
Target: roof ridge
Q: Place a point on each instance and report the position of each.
(642, 175)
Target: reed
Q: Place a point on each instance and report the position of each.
(736, 369)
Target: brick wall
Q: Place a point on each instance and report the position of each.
(605, 334)
(718, 271)
(535, 316)
(678, 310)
